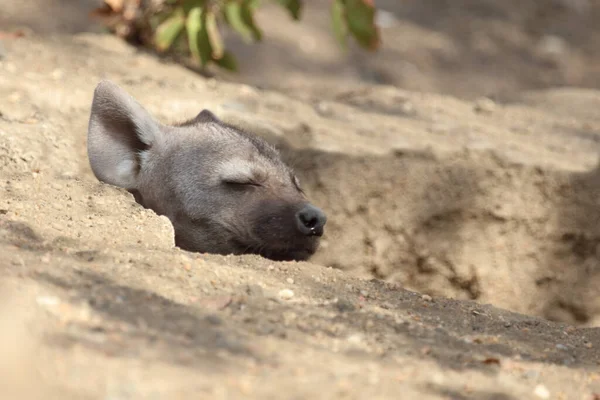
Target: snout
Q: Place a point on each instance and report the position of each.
(310, 220)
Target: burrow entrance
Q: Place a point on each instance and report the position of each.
(470, 226)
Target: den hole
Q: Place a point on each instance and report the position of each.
(465, 226)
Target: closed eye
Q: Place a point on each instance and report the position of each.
(233, 182)
(297, 184)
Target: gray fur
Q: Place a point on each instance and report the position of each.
(225, 191)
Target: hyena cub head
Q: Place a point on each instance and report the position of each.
(224, 190)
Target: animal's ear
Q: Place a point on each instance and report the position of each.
(206, 116)
(119, 130)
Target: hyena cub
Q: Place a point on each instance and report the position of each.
(224, 190)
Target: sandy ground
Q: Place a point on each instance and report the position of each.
(461, 260)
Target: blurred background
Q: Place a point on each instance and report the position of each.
(466, 48)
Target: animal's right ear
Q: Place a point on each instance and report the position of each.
(119, 130)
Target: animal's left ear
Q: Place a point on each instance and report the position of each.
(119, 130)
(206, 116)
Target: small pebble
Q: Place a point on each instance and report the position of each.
(427, 297)
(290, 281)
(254, 290)
(58, 74)
(562, 347)
(542, 392)
(213, 319)
(344, 306)
(47, 300)
(286, 294)
(324, 109)
(355, 338)
(552, 48)
(407, 108)
(484, 105)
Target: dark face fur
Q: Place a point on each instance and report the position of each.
(224, 190)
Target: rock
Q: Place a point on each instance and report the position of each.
(324, 109)
(286, 294)
(47, 301)
(58, 74)
(255, 290)
(552, 48)
(485, 105)
(344, 306)
(355, 339)
(541, 392)
(213, 319)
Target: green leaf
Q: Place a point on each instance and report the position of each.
(361, 22)
(233, 16)
(227, 61)
(293, 6)
(214, 35)
(169, 30)
(248, 19)
(198, 39)
(188, 5)
(338, 22)
(254, 4)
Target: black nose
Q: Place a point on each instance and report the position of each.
(311, 220)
